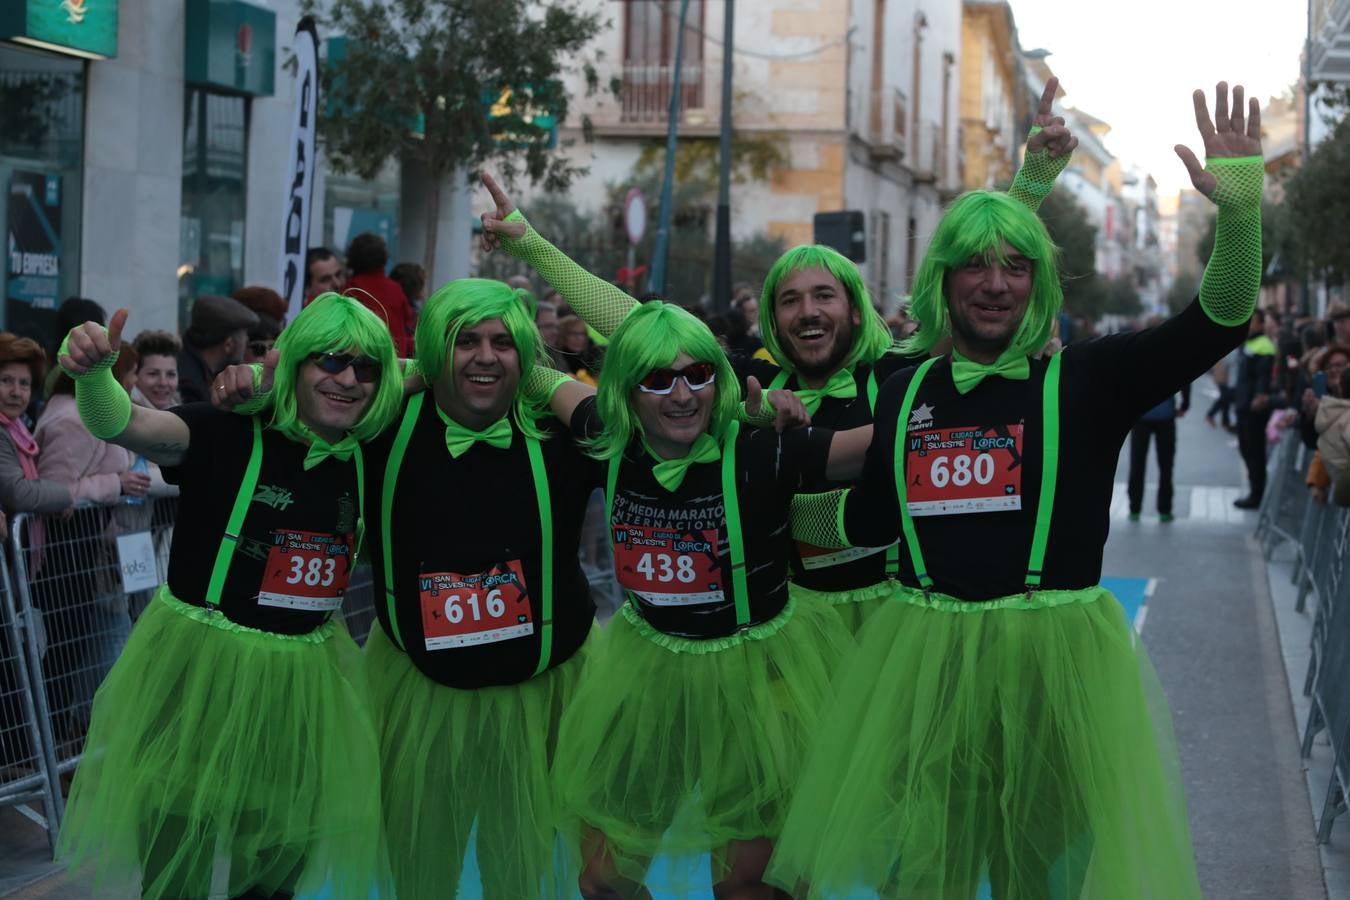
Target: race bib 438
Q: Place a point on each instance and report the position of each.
(667, 566)
(952, 471)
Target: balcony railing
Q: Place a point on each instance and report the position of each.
(927, 157)
(646, 91)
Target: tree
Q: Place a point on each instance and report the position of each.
(450, 84)
(1084, 293)
(1317, 198)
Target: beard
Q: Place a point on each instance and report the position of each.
(840, 348)
(965, 332)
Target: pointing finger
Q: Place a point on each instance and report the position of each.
(115, 326)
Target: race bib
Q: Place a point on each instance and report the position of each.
(668, 567)
(306, 570)
(814, 557)
(460, 610)
(952, 471)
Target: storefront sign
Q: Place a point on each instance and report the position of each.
(231, 45)
(79, 27)
(33, 259)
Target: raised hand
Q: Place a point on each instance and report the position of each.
(1054, 137)
(234, 385)
(1229, 135)
(90, 344)
(493, 224)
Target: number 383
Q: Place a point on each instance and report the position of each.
(312, 571)
(961, 470)
(666, 568)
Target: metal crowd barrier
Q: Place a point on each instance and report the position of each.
(1320, 537)
(1282, 510)
(78, 584)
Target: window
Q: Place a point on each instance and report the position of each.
(649, 38)
(211, 230)
(41, 180)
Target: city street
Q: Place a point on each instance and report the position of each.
(1199, 588)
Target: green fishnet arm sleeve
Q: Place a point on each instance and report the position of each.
(818, 519)
(1036, 178)
(1232, 282)
(542, 383)
(103, 404)
(600, 304)
(260, 399)
(764, 418)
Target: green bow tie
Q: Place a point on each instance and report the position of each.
(670, 472)
(841, 385)
(967, 374)
(319, 450)
(458, 438)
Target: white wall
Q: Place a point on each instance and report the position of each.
(133, 158)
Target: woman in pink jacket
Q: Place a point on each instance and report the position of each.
(79, 588)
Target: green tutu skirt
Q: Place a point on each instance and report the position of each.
(225, 759)
(457, 763)
(1021, 742)
(855, 606)
(677, 748)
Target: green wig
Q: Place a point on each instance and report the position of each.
(466, 302)
(980, 225)
(332, 323)
(871, 339)
(651, 337)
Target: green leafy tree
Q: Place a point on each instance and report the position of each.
(1084, 293)
(1317, 200)
(451, 84)
(1182, 292)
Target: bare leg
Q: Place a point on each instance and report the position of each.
(742, 870)
(600, 879)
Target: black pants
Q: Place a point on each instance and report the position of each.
(1165, 431)
(1251, 435)
(1222, 407)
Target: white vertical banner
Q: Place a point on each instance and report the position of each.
(299, 188)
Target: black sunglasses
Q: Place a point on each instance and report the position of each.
(259, 348)
(364, 368)
(696, 377)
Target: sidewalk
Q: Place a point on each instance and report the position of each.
(1295, 635)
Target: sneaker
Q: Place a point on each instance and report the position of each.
(1247, 502)
(1134, 517)
(1165, 517)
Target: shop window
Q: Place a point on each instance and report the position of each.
(211, 229)
(41, 170)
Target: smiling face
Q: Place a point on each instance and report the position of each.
(815, 321)
(330, 404)
(672, 422)
(16, 388)
(479, 384)
(158, 379)
(986, 300)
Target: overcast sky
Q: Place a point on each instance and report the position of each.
(1135, 64)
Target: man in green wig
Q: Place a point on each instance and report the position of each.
(999, 720)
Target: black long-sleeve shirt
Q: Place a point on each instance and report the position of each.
(982, 552)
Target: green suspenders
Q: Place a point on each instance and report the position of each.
(735, 538)
(220, 569)
(542, 498)
(1049, 476)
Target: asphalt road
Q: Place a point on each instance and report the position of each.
(1210, 631)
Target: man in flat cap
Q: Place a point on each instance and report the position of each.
(215, 338)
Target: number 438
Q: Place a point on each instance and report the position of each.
(666, 568)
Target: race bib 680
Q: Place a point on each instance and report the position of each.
(951, 471)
